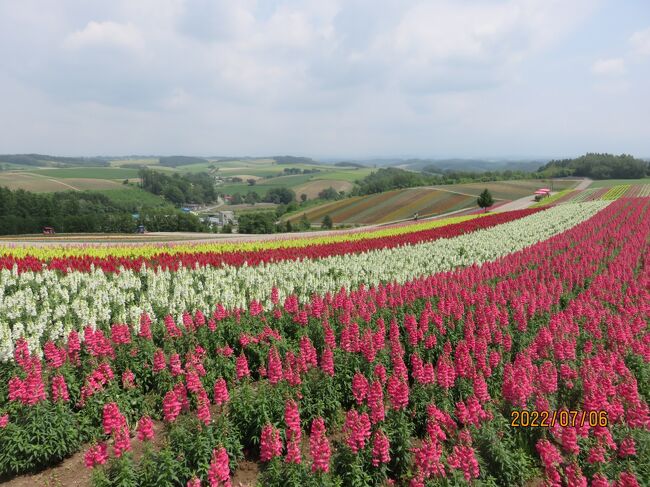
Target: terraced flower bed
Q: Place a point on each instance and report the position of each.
(420, 361)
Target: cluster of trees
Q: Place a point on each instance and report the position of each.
(485, 199)
(178, 189)
(268, 222)
(293, 160)
(249, 198)
(81, 212)
(331, 194)
(24, 212)
(389, 178)
(279, 196)
(296, 170)
(257, 222)
(170, 220)
(598, 166)
(349, 164)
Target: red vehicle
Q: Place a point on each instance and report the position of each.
(48, 231)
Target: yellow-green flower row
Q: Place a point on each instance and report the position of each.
(616, 192)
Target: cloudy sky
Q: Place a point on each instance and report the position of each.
(340, 78)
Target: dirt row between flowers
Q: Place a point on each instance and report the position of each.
(72, 471)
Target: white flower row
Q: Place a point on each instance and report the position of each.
(46, 305)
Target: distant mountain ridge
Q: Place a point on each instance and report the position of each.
(455, 164)
(43, 160)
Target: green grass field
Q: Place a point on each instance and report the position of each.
(511, 190)
(263, 185)
(133, 197)
(608, 183)
(350, 175)
(295, 182)
(40, 183)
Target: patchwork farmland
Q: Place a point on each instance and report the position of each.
(390, 206)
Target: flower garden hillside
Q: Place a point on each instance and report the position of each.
(416, 355)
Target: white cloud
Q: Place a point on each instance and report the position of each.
(609, 67)
(311, 76)
(105, 34)
(640, 42)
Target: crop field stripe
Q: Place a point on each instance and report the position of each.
(583, 195)
(567, 195)
(353, 212)
(399, 201)
(616, 192)
(597, 194)
(421, 204)
(333, 209)
(451, 203)
(409, 205)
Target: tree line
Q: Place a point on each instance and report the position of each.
(23, 212)
(267, 222)
(279, 196)
(174, 161)
(386, 179)
(599, 166)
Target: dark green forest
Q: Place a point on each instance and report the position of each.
(387, 179)
(178, 189)
(23, 212)
(293, 160)
(599, 166)
(257, 222)
(174, 161)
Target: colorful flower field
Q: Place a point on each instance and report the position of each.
(507, 349)
(607, 194)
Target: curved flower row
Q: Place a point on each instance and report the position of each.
(46, 305)
(151, 250)
(190, 260)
